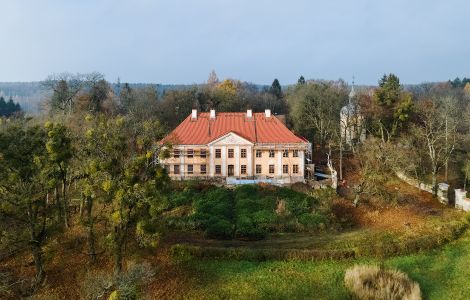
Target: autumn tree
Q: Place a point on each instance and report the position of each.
(130, 180)
(390, 109)
(60, 151)
(24, 210)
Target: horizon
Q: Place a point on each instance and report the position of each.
(181, 42)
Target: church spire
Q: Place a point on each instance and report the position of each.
(352, 94)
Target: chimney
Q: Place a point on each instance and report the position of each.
(249, 113)
(212, 115)
(267, 113)
(194, 114)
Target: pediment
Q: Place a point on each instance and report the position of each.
(231, 138)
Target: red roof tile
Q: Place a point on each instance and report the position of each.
(258, 129)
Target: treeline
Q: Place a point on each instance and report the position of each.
(10, 108)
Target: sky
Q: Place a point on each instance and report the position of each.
(181, 41)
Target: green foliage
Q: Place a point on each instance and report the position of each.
(391, 108)
(248, 212)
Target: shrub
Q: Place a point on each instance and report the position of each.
(128, 284)
(219, 228)
(372, 282)
(312, 221)
(180, 254)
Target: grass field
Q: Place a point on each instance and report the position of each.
(442, 274)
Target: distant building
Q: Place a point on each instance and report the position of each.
(236, 147)
(351, 121)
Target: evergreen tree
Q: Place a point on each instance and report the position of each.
(276, 89)
(301, 80)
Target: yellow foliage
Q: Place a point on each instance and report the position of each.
(116, 217)
(229, 86)
(149, 154)
(119, 121)
(48, 125)
(107, 185)
(89, 133)
(88, 117)
(114, 295)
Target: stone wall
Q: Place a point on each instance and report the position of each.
(461, 200)
(442, 190)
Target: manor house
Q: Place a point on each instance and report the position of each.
(238, 147)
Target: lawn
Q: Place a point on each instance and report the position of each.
(442, 274)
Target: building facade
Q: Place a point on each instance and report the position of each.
(236, 146)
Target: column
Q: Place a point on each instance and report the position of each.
(182, 153)
(301, 163)
(279, 163)
(211, 161)
(237, 161)
(224, 160)
(249, 165)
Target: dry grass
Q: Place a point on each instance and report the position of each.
(373, 282)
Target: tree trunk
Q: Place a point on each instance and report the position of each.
(434, 183)
(91, 234)
(341, 160)
(118, 258)
(37, 257)
(65, 205)
(58, 204)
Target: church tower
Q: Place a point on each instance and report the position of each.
(351, 121)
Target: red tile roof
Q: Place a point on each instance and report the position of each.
(258, 129)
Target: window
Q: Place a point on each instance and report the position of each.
(258, 153)
(230, 153)
(243, 169)
(271, 169)
(218, 169)
(285, 153)
(203, 169)
(271, 153)
(230, 170)
(167, 169)
(295, 169)
(285, 169)
(190, 169)
(176, 169)
(295, 153)
(203, 153)
(258, 169)
(176, 153)
(243, 153)
(218, 153)
(190, 153)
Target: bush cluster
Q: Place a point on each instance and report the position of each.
(247, 212)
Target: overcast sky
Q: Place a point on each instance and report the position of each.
(181, 41)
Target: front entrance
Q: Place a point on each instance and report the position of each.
(230, 170)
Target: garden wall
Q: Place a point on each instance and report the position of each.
(442, 191)
(461, 200)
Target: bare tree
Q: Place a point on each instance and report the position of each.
(66, 87)
(436, 134)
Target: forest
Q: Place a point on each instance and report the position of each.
(80, 183)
